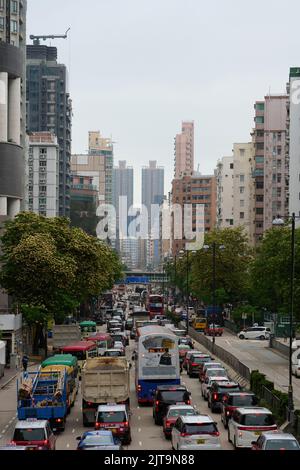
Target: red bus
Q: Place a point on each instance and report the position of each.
(82, 350)
(155, 305)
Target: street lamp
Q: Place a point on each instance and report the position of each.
(279, 222)
(181, 252)
(206, 248)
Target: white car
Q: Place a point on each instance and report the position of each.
(197, 432)
(205, 386)
(255, 332)
(209, 365)
(296, 369)
(247, 423)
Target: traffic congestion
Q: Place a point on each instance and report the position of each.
(130, 379)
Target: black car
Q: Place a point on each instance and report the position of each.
(217, 391)
(133, 333)
(129, 324)
(166, 395)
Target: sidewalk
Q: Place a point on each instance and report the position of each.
(11, 374)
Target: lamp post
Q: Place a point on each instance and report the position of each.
(187, 285)
(279, 222)
(214, 247)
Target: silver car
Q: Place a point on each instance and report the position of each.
(197, 432)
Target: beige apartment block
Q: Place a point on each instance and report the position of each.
(224, 178)
(184, 150)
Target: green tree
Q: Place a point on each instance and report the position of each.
(271, 271)
(50, 267)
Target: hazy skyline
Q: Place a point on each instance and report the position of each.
(137, 69)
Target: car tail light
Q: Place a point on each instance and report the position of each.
(194, 364)
(215, 396)
(139, 388)
(168, 423)
(89, 403)
(46, 442)
(97, 425)
(228, 413)
(157, 403)
(125, 424)
(184, 434)
(188, 402)
(59, 420)
(215, 433)
(240, 434)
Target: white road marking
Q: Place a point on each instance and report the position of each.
(139, 418)
(139, 430)
(67, 446)
(140, 444)
(6, 426)
(227, 341)
(73, 430)
(77, 419)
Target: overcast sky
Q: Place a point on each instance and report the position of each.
(140, 67)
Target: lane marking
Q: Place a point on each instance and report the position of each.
(67, 446)
(139, 418)
(227, 341)
(73, 430)
(77, 419)
(140, 444)
(139, 430)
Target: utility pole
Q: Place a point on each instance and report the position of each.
(214, 289)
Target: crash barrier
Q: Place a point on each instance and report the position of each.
(231, 326)
(224, 355)
(278, 346)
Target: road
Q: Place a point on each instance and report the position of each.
(256, 354)
(145, 434)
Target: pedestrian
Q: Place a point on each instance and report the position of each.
(25, 362)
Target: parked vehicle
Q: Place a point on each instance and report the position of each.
(34, 433)
(275, 440)
(234, 400)
(172, 414)
(165, 396)
(115, 418)
(104, 380)
(213, 330)
(98, 440)
(43, 395)
(195, 433)
(217, 391)
(247, 423)
(199, 323)
(255, 332)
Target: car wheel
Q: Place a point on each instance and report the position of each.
(234, 443)
(225, 423)
(156, 421)
(242, 337)
(208, 403)
(229, 438)
(262, 337)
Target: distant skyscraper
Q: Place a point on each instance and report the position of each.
(184, 150)
(12, 105)
(122, 186)
(49, 108)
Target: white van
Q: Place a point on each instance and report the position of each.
(255, 332)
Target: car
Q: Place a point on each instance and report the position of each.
(113, 353)
(133, 333)
(217, 392)
(166, 395)
(172, 414)
(188, 355)
(247, 423)
(233, 400)
(121, 336)
(275, 440)
(33, 432)
(208, 365)
(15, 447)
(129, 324)
(186, 340)
(207, 383)
(182, 349)
(115, 418)
(255, 332)
(198, 432)
(214, 330)
(98, 440)
(119, 345)
(195, 363)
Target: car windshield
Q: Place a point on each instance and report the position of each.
(278, 444)
(200, 428)
(111, 417)
(199, 360)
(258, 419)
(112, 353)
(243, 400)
(174, 395)
(29, 434)
(181, 412)
(98, 440)
(216, 372)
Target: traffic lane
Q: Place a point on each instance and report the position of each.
(257, 355)
(8, 411)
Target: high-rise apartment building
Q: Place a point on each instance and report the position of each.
(270, 169)
(43, 174)
(122, 185)
(12, 105)
(184, 150)
(103, 147)
(224, 180)
(293, 141)
(49, 108)
(191, 191)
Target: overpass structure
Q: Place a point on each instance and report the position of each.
(138, 277)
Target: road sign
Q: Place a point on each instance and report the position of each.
(244, 316)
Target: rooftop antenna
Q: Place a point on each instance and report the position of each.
(36, 39)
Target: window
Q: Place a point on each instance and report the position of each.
(242, 202)
(1, 4)
(260, 145)
(14, 6)
(260, 106)
(259, 120)
(231, 166)
(259, 159)
(1, 23)
(242, 152)
(259, 210)
(260, 198)
(242, 215)
(278, 150)
(13, 26)
(242, 189)
(242, 178)
(259, 185)
(43, 163)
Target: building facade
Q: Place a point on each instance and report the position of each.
(191, 191)
(293, 141)
(42, 170)
(122, 185)
(84, 198)
(103, 147)
(184, 150)
(270, 170)
(49, 108)
(12, 105)
(224, 180)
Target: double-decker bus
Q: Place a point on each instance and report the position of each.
(157, 361)
(155, 305)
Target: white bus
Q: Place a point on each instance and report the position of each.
(157, 361)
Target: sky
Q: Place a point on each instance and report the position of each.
(137, 68)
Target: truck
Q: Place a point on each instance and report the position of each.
(103, 380)
(63, 335)
(43, 395)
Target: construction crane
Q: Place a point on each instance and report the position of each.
(36, 39)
